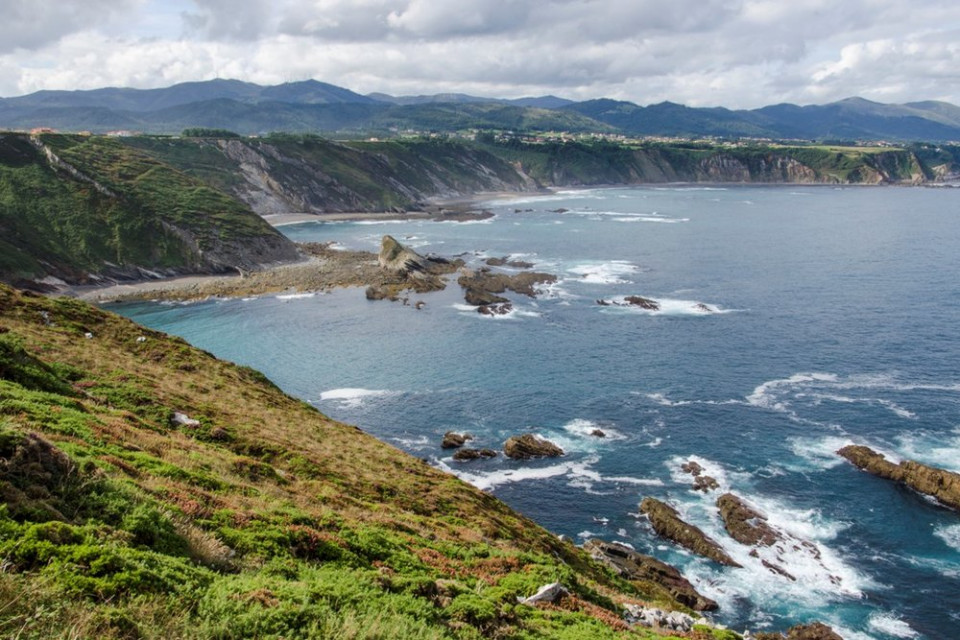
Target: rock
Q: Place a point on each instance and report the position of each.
(482, 287)
(705, 484)
(473, 454)
(499, 309)
(937, 483)
(632, 301)
(668, 524)
(506, 262)
(552, 592)
(643, 303)
(658, 618)
(528, 446)
(597, 433)
(692, 467)
(452, 439)
(635, 566)
(812, 631)
(184, 420)
(744, 524)
(397, 258)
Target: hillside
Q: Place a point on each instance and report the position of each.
(311, 106)
(80, 208)
(83, 209)
(151, 490)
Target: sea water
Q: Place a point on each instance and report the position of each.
(792, 321)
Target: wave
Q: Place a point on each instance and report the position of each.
(891, 625)
(950, 534)
(820, 573)
(295, 296)
(586, 429)
(515, 312)
(604, 272)
(666, 307)
(662, 400)
(349, 397)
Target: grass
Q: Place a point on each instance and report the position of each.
(265, 520)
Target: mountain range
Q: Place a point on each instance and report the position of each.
(312, 106)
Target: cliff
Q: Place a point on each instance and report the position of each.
(83, 209)
(151, 490)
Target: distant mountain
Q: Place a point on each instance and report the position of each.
(320, 107)
(541, 102)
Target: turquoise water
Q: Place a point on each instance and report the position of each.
(832, 319)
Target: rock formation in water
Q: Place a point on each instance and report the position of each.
(744, 524)
(668, 524)
(452, 439)
(405, 269)
(483, 286)
(528, 445)
(473, 454)
(940, 484)
(638, 567)
(701, 481)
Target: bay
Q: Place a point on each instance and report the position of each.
(829, 316)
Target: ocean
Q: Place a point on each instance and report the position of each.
(793, 320)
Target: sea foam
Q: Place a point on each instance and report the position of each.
(352, 397)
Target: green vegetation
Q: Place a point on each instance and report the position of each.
(199, 132)
(72, 205)
(264, 520)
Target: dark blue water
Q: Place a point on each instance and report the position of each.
(832, 319)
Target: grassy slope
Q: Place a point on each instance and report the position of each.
(266, 519)
(55, 222)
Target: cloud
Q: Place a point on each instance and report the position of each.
(736, 53)
(33, 24)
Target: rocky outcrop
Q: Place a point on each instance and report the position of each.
(482, 287)
(658, 618)
(744, 524)
(528, 446)
(937, 483)
(506, 262)
(473, 454)
(813, 631)
(701, 481)
(553, 592)
(668, 524)
(635, 566)
(452, 439)
(405, 269)
(632, 301)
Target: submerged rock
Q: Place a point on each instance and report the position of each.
(636, 566)
(937, 483)
(506, 262)
(528, 446)
(473, 454)
(668, 524)
(705, 484)
(632, 301)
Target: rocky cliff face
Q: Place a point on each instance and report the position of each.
(936, 483)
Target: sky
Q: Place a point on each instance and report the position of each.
(732, 53)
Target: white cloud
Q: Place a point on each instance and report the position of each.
(736, 53)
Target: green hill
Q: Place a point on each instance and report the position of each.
(150, 490)
(77, 207)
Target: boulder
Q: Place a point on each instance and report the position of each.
(552, 592)
(473, 454)
(528, 445)
(452, 439)
(597, 433)
(937, 483)
(692, 467)
(631, 565)
(668, 524)
(744, 524)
